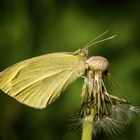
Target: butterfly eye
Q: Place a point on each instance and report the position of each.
(81, 52)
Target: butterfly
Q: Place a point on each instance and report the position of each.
(39, 81)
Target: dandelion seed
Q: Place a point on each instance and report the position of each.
(120, 112)
(133, 112)
(76, 122)
(109, 125)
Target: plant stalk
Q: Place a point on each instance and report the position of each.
(87, 128)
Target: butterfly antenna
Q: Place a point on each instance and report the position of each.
(97, 38)
(93, 42)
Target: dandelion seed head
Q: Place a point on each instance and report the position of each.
(98, 63)
(111, 113)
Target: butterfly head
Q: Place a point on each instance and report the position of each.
(81, 52)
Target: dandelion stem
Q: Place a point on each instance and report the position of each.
(87, 128)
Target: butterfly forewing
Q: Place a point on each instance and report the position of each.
(38, 81)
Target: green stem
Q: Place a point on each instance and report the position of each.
(87, 128)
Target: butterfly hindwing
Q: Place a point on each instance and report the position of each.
(38, 81)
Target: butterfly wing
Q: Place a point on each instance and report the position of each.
(38, 81)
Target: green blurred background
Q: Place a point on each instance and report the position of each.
(33, 27)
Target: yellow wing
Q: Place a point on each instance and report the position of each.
(38, 81)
